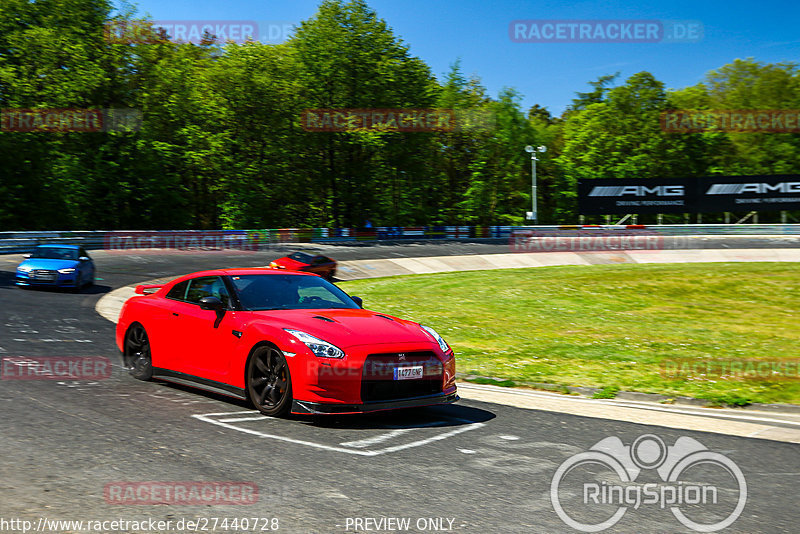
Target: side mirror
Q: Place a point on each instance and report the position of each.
(84, 258)
(358, 300)
(212, 304)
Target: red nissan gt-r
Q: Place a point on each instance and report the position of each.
(302, 261)
(285, 341)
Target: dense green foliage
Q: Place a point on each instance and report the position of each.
(221, 143)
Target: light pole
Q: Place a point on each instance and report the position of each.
(532, 215)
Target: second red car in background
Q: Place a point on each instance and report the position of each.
(310, 263)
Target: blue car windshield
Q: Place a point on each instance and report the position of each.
(288, 292)
(53, 253)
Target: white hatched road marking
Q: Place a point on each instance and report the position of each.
(209, 418)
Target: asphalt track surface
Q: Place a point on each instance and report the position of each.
(487, 467)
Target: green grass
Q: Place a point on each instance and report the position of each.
(609, 326)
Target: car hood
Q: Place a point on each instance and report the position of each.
(349, 327)
(291, 264)
(49, 264)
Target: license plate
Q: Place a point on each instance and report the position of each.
(408, 373)
(43, 276)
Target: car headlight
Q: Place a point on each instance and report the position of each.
(442, 343)
(68, 270)
(320, 348)
(24, 268)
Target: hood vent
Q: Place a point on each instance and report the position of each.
(321, 318)
(384, 316)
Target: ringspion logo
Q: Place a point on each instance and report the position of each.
(704, 490)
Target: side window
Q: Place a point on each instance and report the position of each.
(178, 291)
(320, 260)
(207, 286)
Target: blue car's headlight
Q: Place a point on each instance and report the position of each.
(442, 343)
(320, 348)
(24, 268)
(68, 270)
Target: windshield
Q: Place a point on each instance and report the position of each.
(53, 253)
(301, 257)
(288, 292)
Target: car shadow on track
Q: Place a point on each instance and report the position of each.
(450, 415)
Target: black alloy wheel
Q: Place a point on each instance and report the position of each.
(137, 358)
(269, 384)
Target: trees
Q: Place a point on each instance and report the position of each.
(222, 144)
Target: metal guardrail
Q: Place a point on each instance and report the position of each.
(261, 239)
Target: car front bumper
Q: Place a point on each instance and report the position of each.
(52, 280)
(319, 408)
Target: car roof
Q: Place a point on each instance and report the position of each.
(54, 245)
(245, 271)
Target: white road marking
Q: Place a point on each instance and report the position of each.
(509, 438)
(208, 418)
(720, 415)
(375, 440)
(241, 419)
(467, 451)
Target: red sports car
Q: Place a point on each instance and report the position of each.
(285, 341)
(302, 261)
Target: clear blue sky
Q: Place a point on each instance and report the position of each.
(550, 73)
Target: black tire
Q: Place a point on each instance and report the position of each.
(137, 357)
(331, 275)
(268, 381)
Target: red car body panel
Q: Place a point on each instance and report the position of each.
(326, 269)
(213, 351)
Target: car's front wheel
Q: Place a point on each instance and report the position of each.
(136, 357)
(269, 383)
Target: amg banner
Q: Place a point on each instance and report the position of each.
(748, 193)
(709, 194)
(610, 195)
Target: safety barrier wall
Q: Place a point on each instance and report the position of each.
(262, 239)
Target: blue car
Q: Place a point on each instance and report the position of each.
(56, 266)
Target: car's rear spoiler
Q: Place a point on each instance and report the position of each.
(148, 289)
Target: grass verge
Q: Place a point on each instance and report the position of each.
(616, 327)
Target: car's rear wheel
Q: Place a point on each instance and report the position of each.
(269, 384)
(137, 356)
